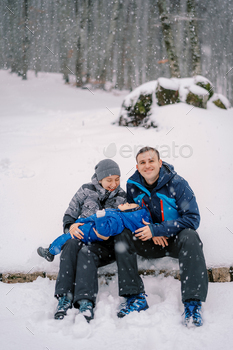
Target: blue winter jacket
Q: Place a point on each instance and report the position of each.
(113, 223)
(172, 203)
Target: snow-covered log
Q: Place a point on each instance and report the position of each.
(136, 107)
(221, 101)
(197, 96)
(167, 92)
(205, 84)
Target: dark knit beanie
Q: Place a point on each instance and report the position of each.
(105, 168)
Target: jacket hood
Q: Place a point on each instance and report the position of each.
(132, 219)
(166, 173)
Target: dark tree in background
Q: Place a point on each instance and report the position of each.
(25, 40)
(194, 40)
(169, 39)
(122, 43)
(110, 41)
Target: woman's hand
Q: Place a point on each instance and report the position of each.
(144, 233)
(75, 231)
(100, 236)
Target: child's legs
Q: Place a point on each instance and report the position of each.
(56, 245)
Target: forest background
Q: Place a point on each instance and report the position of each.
(119, 44)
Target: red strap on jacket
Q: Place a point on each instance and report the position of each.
(144, 204)
(161, 204)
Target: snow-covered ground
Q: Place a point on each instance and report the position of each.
(52, 135)
(27, 320)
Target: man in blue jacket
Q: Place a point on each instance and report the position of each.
(175, 217)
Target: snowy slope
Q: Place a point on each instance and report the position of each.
(51, 136)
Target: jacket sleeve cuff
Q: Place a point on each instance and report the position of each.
(151, 226)
(156, 230)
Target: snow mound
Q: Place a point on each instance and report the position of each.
(145, 89)
(201, 79)
(168, 84)
(197, 90)
(224, 100)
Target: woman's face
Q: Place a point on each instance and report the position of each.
(110, 183)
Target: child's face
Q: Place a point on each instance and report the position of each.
(110, 183)
(127, 206)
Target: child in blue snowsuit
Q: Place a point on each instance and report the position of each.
(107, 222)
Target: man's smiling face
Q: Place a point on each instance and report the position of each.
(149, 166)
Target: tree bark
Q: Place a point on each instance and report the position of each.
(109, 44)
(89, 39)
(193, 36)
(124, 17)
(169, 39)
(81, 13)
(64, 39)
(25, 41)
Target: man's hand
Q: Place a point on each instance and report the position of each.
(144, 233)
(75, 231)
(160, 241)
(100, 236)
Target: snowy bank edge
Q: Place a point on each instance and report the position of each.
(218, 274)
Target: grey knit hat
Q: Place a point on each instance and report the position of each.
(105, 168)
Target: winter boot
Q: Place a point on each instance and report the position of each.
(63, 305)
(133, 303)
(192, 313)
(44, 253)
(86, 309)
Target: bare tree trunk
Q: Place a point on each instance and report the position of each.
(168, 39)
(124, 18)
(128, 48)
(109, 44)
(132, 66)
(193, 36)
(136, 44)
(25, 41)
(78, 64)
(89, 38)
(64, 39)
(186, 60)
(144, 40)
(64, 66)
(37, 34)
(11, 38)
(81, 13)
